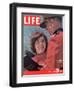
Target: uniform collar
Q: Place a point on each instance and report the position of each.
(58, 30)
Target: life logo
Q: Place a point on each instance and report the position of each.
(32, 20)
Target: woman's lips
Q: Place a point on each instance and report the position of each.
(42, 47)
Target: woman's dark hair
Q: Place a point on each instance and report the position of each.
(35, 37)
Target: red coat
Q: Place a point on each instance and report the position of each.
(55, 52)
(40, 59)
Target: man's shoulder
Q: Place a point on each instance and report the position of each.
(56, 36)
(56, 39)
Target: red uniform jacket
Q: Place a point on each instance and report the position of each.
(55, 52)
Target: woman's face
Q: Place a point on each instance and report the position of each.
(40, 45)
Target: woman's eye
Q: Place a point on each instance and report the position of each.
(43, 40)
(37, 42)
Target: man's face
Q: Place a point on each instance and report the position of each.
(52, 25)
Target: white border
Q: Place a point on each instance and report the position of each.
(43, 78)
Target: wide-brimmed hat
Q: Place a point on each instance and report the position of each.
(46, 19)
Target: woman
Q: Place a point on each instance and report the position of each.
(34, 62)
(39, 47)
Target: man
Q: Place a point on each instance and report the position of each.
(54, 57)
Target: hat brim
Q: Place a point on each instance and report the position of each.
(43, 25)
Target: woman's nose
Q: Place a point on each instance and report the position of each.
(41, 44)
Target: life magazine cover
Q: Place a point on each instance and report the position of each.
(42, 44)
